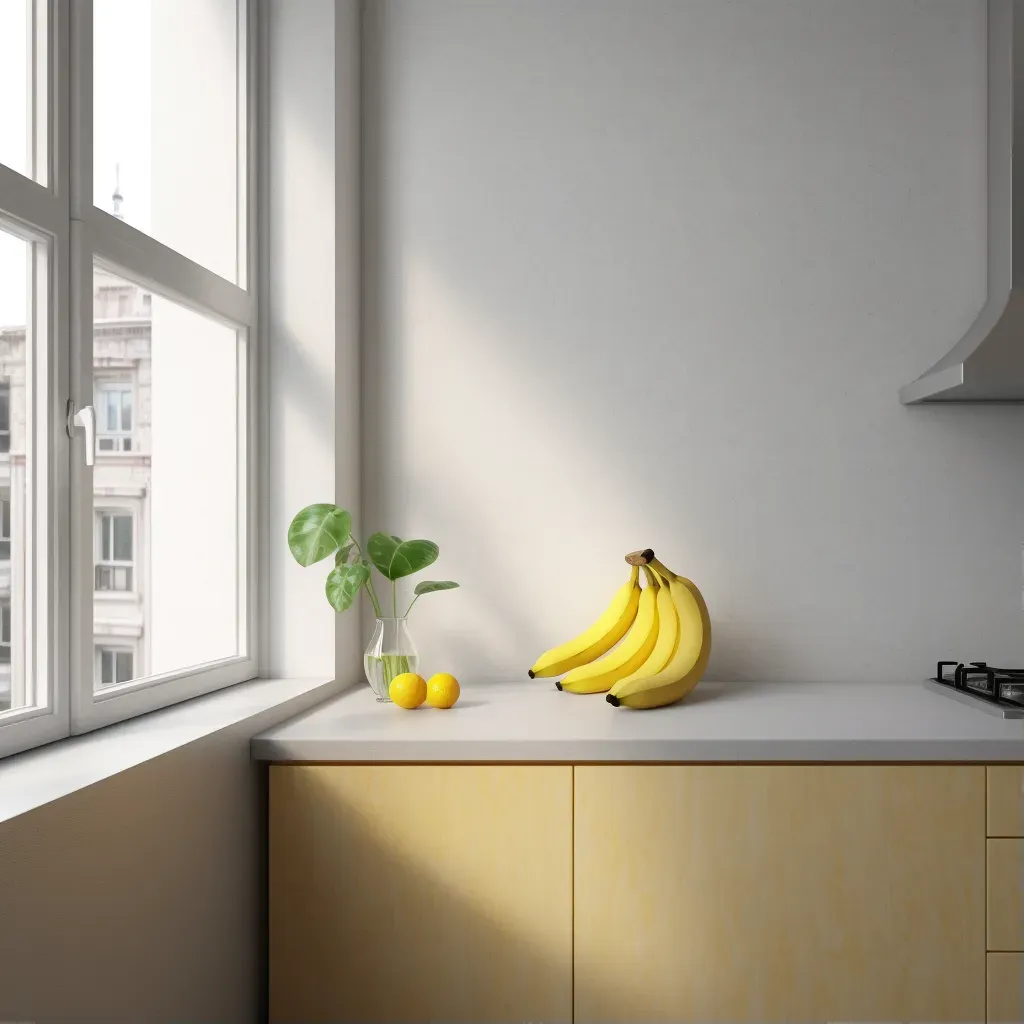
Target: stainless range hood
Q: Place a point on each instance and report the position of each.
(987, 364)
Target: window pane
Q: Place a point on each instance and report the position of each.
(15, 85)
(123, 666)
(122, 538)
(15, 463)
(178, 488)
(165, 110)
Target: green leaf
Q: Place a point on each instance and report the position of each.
(396, 558)
(432, 586)
(318, 531)
(341, 558)
(343, 584)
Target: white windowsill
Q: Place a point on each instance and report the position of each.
(39, 776)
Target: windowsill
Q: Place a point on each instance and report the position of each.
(40, 776)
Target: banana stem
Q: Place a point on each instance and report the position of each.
(668, 574)
(652, 577)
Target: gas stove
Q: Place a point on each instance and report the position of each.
(998, 691)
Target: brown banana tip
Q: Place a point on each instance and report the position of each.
(558, 685)
(613, 700)
(648, 553)
(529, 672)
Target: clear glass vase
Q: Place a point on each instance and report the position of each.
(389, 653)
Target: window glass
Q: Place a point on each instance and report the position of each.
(15, 465)
(15, 84)
(165, 146)
(114, 666)
(178, 493)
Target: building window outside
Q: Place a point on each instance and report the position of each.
(115, 547)
(5, 633)
(5, 529)
(5, 416)
(114, 413)
(116, 665)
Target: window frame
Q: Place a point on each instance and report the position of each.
(56, 213)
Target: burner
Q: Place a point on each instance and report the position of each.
(997, 690)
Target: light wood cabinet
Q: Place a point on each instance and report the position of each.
(415, 893)
(1005, 800)
(1006, 988)
(1005, 878)
(779, 893)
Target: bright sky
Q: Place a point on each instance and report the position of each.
(121, 129)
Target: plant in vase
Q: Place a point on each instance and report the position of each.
(320, 531)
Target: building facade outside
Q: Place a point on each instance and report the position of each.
(122, 483)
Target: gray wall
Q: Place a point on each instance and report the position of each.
(651, 273)
(140, 898)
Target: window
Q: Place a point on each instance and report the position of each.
(115, 666)
(114, 551)
(114, 417)
(151, 320)
(5, 632)
(5, 417)
(5, 529)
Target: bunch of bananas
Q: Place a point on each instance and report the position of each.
(665, 635)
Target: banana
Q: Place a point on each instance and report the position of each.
(600, 638)
(634, 650)
(668, 636)
(687, 665)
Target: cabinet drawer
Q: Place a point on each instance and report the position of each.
(1006, 988)
(1005, 903)
(1006, 800)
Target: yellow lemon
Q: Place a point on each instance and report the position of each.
(442, 690)
(408, 690)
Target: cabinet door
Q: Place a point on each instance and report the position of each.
(1005, 988)
(1005, 881)
(414, 893)
(1006, 800)
(779, 893)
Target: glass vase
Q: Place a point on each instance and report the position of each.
(389, 653)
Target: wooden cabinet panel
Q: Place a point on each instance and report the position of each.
(1006, 800)
(779, 893)
(1005, 898)
(1006, 988)
(426, 892)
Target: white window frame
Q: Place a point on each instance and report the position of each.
(105, 387)
(56, 213)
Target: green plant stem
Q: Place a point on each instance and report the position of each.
(411, 603)
(394, 598)
(369, 582)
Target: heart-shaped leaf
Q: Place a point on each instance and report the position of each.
(396, 558)
(432, 586)
(318, 531)
(343, 585)
(341, 558)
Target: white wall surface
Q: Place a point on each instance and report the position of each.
(651, 273)
(312, 373)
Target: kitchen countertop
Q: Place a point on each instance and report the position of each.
(532, 721)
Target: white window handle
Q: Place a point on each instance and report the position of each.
(84, 419)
